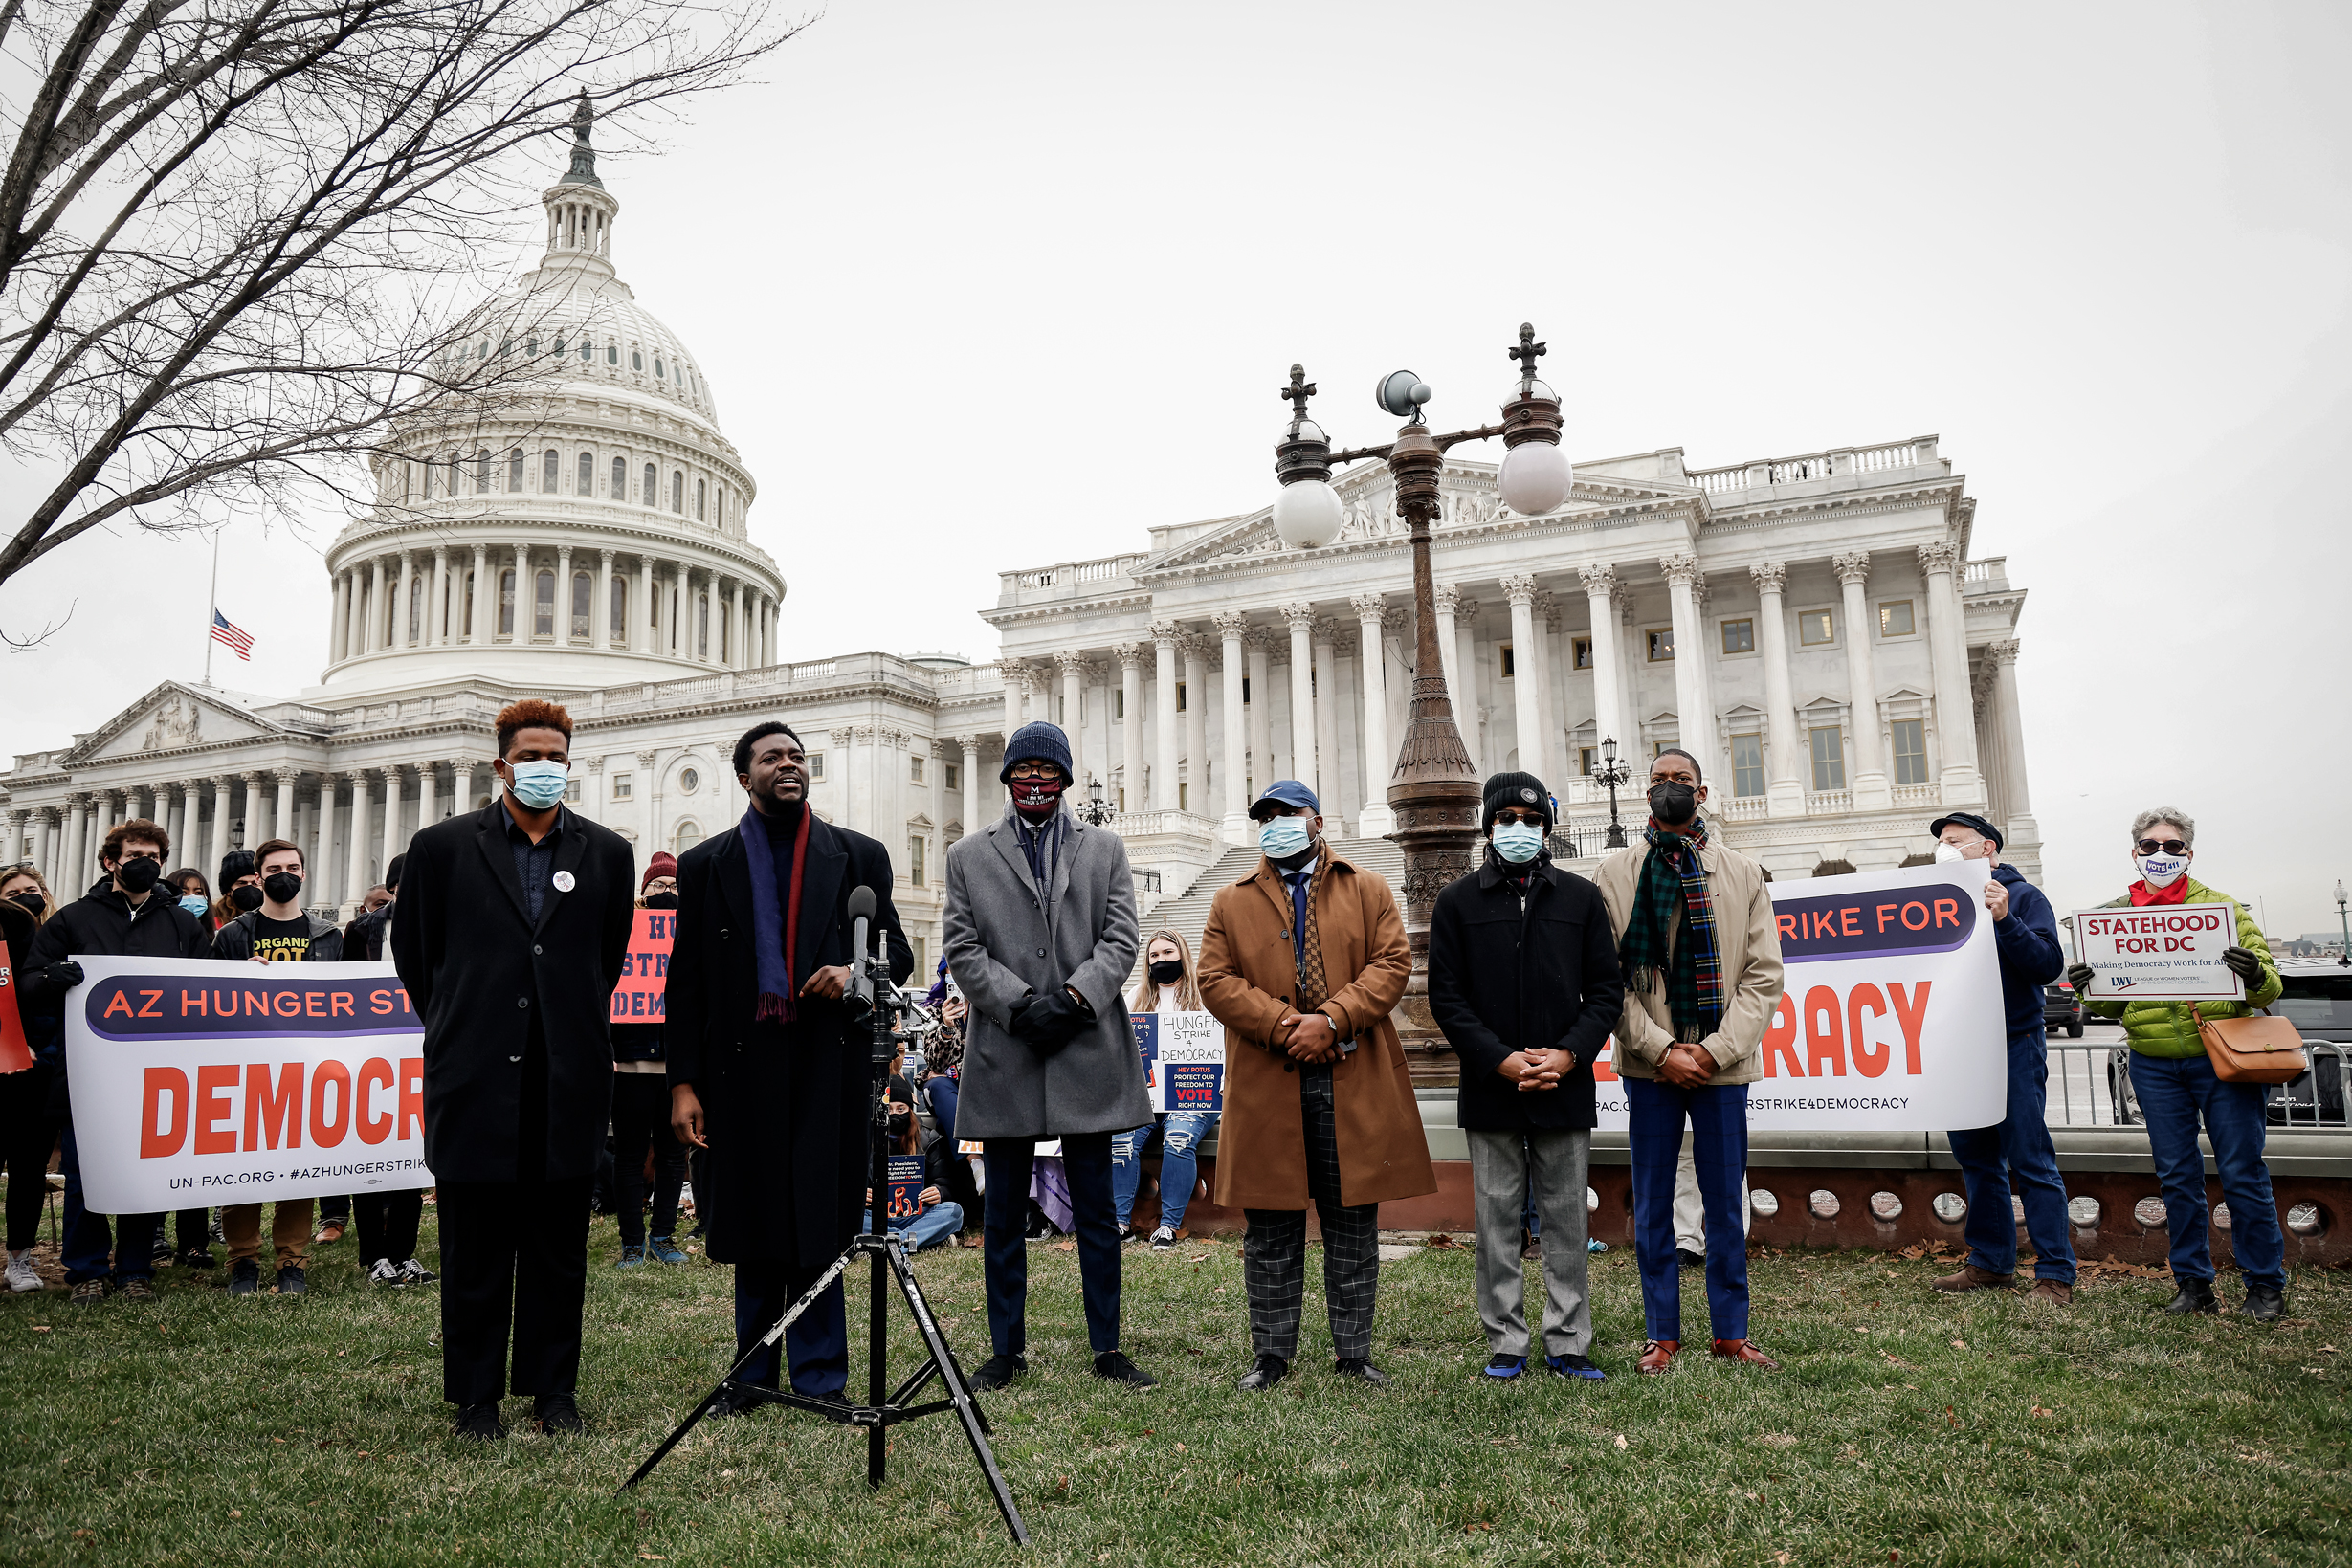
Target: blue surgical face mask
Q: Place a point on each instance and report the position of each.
(194, 903)
(1517, 842)
(1284, 837)
(540, 784)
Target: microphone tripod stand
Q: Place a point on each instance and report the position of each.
(887, 1250)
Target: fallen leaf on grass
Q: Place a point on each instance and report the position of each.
(1179, 1448)
(1960, 1344)
(1068, 1244)
(1952, 1419)
(2041, 1411)
(1778, 1439)
(43, 1328)
(1440, 1242)
(1783, 1558)
(1621, 1443)
(651, 1556)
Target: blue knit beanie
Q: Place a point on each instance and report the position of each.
(1042, 742)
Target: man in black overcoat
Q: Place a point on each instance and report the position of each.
(768, 1069)
(514, 924)
(1524, 981)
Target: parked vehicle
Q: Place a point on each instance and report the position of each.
(2063, 1009)
(2318, 1000)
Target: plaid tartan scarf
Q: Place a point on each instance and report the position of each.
(1674, 880)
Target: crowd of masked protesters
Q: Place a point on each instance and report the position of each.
(509, 926)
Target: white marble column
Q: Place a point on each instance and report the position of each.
(436, 606)
(1693, 723)
(1195, 650)
(373, 634)
(1867, 775)
(1451, 664)
(44, 849)
(1165, 727)
(1014, 674)
(2022, 833)
(314, 814)
(485, 602)
(641, 622)
(1784, 756)
(461, 801)
(739, 637)
(1259, 644)
(1378, 755)
(968, 745)
(600, 608)
(1550, 705)
(1131, 773)
(1609, 717)
(1232, 629)
(1526, 688)
(1961, 782)
(281, 822)
(1301, 620)
(219, 845)
(77, 867)
(428, 788)
(394, 839)
(1073, 669)
(355, 840)
(339, 626)
(1326, 637)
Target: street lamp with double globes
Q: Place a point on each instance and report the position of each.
(1615, 775)
(1431, 787)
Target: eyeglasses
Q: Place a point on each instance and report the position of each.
(2167, 845)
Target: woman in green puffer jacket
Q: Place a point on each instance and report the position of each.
(2177, 1088)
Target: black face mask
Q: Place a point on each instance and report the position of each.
(282, 887)
(1672, 804)
(661, 900)
(140, 874)
(899, 1122)
(247, 897)
(1166, 971)
(31, 901)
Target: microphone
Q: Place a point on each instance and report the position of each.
(862, 904)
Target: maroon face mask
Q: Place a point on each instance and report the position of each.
(1037, 798)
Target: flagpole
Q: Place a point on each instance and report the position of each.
(212, 608)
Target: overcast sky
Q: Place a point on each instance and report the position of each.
(982, 287)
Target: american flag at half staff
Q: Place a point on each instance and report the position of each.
(239, 639)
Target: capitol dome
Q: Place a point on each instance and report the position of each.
(573, 495)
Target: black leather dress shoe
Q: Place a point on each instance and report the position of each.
(2195, 1295)
(996, 1371)
(2265, 1305)
(556, 1413)
(1364, 1371)
(479, 1424)
(1113, 1366)
(1269, 1371)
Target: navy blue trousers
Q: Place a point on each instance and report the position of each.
(817, 1343)
(1718, 1118)
(1086, 1160)
(2017, 1151)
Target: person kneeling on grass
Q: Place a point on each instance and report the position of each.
(1524, 981)
(933, 1219)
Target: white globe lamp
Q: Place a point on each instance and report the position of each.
(1307, 514)
(1534, 478)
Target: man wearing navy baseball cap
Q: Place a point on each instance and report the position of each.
(2018, 1150)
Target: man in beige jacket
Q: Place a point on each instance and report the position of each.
(1701, 959)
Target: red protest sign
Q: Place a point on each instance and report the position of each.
(15, 1056)
(645, 975)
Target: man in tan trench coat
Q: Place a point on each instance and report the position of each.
(1301, 963)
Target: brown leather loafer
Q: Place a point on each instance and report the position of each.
(1658, 1354)
(2053, 1291)
(1972, 1278)
(1745, 1354)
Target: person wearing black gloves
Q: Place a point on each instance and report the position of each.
(1524, 981)
(29, 1108)
(513, 930)
(1040, 932)
(641, 1112)
(130, 916)
(770, 1069)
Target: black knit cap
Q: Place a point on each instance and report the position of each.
(1039, 742)
(234, 864)
(1514, 789)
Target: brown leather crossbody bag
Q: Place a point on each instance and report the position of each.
(2252, 1050)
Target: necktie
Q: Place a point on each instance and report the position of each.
(1298, 881)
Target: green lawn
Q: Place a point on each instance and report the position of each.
(201, 1430)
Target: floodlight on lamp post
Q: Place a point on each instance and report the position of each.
(1617, 776)
(1431, 787)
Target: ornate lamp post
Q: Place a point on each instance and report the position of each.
(2345, 921)
(1432, 788)
(1095, 812)
(1615, 775)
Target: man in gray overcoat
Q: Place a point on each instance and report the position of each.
(1040, 935)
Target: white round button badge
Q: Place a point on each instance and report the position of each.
(565, 882)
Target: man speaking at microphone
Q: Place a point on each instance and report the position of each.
(768, 1067)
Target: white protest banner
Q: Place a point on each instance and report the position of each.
(1891, 1017)
(1183, 1060)
(195, 1083)
(2162, 953)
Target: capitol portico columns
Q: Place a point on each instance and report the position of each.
(1527, 704)
(1259, 643)
(1164, 636)
(1551, 733)
(461, 785)
(437, 607)
(428, 786)
(355, 839)
(339, 624)
(478, 625)
(1325, 635)
(44, 841)
(641, 616)
(600, 608)
(392, 839)
(1131, 726)
(1608, 711)
(1073, 668)
(1783, 760)
(1195, 650)
(1869, 775)
(281, 826)
(1232, 627)
(968, 745)
(1302, 620)
(1379, 758)
(1962, 784)
(1693, 723)
(220, 827)
(2016, 804)
(75, 865)
(372, 629)
(738, 635)
(1449, 600)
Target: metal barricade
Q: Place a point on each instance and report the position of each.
(2089, 1085)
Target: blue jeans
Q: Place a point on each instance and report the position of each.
(1086, 1160)
(1180, 1133)
(1718, 1118)
(818, 1342)
(88, 1244)
(2018, 1150)
(932, 1227)
(943, 1096)
(2172, 1094)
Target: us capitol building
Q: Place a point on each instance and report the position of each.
(1811, 626)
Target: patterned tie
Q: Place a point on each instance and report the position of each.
(1298, 881)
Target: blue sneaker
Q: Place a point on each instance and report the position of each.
(631, 1257)
(664, 1250)
(1504, 1368)
(1574, 1366)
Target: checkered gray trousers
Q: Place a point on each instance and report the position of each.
(1274, 1256)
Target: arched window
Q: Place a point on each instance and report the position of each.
(701, 493)
(652, 486)
(481, 472)
(677, 491)
(506, 603)
(466, 621)
(618, 626)
(620, 479)
(588, 350)
(530, 344)
(583, 596)
(514, 472)
(543, 604)
(687, 837)
(587, 474)
(657, 372)
(702, 625)
(636, 359)
(613, 353)
(417, 604)
(558, 349)
(551, 469)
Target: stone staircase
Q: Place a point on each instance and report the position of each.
(1189, 910)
